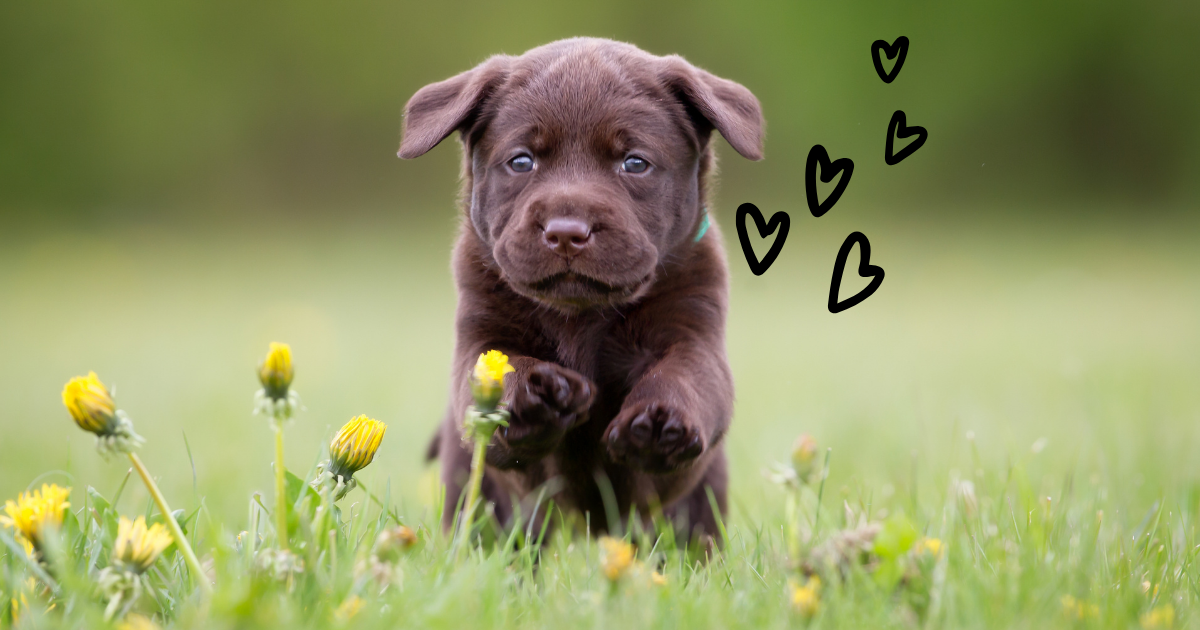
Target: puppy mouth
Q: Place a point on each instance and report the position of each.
(571, 289)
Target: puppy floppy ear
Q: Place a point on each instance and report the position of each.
(438, 109)
(724, 105)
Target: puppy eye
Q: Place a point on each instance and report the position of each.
(521, 164)
(634, 165)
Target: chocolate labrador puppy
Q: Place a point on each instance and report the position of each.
(588, 256)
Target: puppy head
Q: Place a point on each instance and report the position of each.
(584, 161)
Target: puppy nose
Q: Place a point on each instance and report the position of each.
(566, 236)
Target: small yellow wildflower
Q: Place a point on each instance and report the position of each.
(137, 547)
(616, 556)
(804, 456)
(1077, 609)
(349, 608)
(1159, 617)
(487, 380)
(931, 546)
(33, 512)
(90, 404)
(806, 599)
(276, 372)
(658, 579)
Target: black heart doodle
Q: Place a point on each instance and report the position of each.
(779, 220)
(818, 156)
(897, 129)
(865, 269)
(900, 46)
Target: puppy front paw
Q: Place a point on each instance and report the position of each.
(547, 401)
(653, 436)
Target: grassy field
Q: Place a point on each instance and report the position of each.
(1025, 391)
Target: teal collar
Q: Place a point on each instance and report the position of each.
(704, 223)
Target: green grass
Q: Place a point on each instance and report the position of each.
(1083, 340)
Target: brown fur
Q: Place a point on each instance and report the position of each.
(619, 348)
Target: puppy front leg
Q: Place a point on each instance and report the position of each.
(545, 401)
(678, 409)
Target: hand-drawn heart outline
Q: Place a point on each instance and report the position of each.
(779, 220)
(899, 46)
(898, 129)
(819, 156)
(865, 269)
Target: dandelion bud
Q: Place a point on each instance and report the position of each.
(351, 450)
(137, 546)
(93, 409)
(355, 445)
(276, 373)
(616, 556)
(487, 380)
(392, 542)
(276, 398)
(804, 456)
(90, 404)
(33, 513)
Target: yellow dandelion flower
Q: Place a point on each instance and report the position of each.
(931, 546)
(33, 512)
(137, 546)
(276, 372)
(355, 445)
(487, 380)
(616, 556)
(352, 448)
(349, 608)
(1158, 617)
(93, 409)
(90, 404)
(806, 598)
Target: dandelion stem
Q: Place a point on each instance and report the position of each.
(280, 490)
(474, 484)
(181, 541)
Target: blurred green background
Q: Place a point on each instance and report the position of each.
(181, 184)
